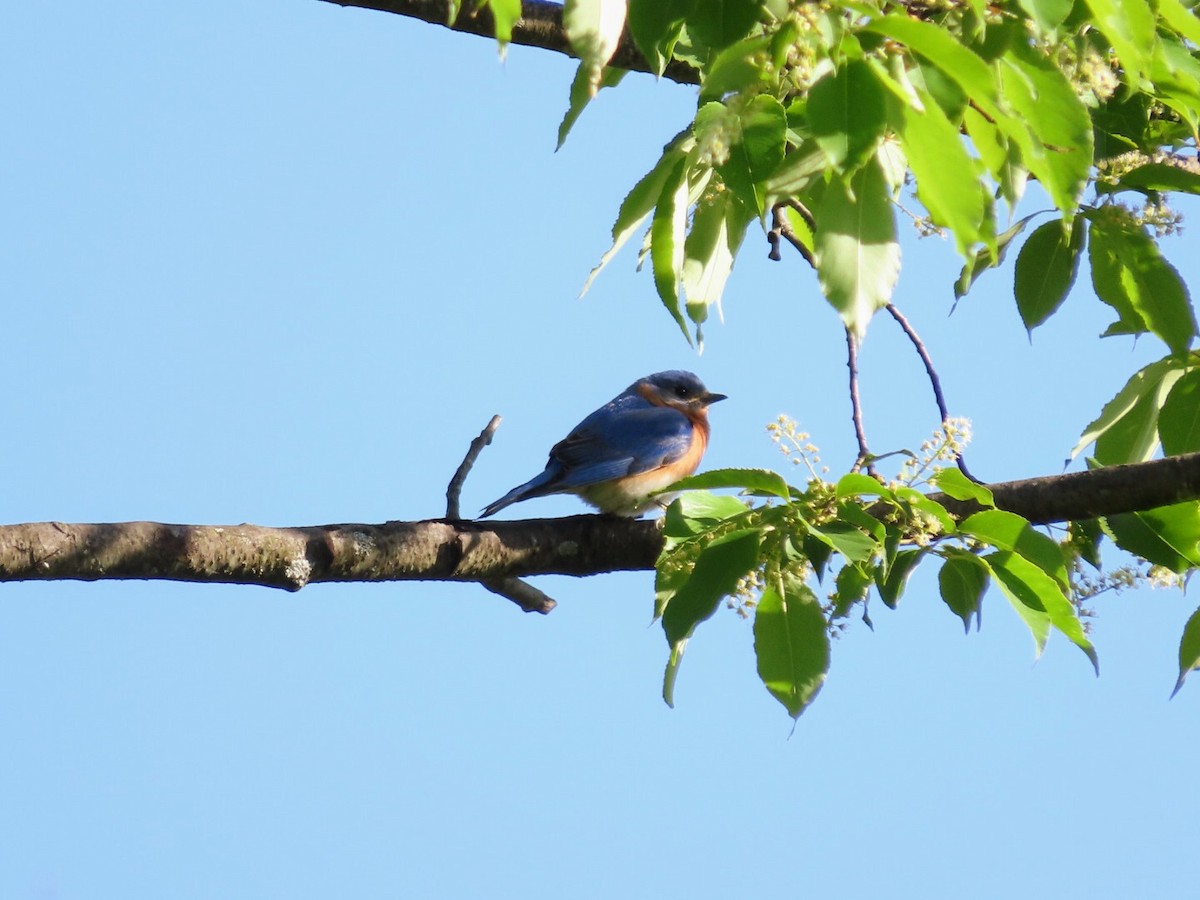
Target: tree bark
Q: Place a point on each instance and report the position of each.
(540, 25)
(449, 550)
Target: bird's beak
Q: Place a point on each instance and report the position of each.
(713, 398)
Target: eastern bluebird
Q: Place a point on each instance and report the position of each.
(638, 443)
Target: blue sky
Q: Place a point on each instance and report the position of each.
(279, 263)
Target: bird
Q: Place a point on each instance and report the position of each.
(646, 438)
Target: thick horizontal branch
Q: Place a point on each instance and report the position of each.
(290, 558)
(446, 550)
(540, 26)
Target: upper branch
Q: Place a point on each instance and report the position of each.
(540, 26)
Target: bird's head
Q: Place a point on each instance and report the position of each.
(679, 390)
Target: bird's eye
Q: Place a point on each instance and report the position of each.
(681, 391)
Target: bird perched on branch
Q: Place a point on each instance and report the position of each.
(641, 441)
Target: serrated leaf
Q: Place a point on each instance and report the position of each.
(847, 114)
(1048, 14)
(1051, 125)
(655, 26)
(856, 484)
(1155, 178)
(891, 583)
(1008, 531)
(1130, 275)
(1039, 600)
(580, 95)
(1130, 26)
(718, 23)
(758, 151)
(953, 483)
(947, 184)
(1189, 650)
(697, 512)
(1046, 269)
(851, 542)
(737, 69)
(941, 48)
(1167, 536)
(791, 645)
(718, 226)
(505, 13)
(1179, 418)
(852, 583)
(667, 234)
(758, 481)
(639, 203)
(718, 569)
(594, 29)
(984, 259)
(1182, 18)
(857, 253)
(962, 580)
(1127, 428)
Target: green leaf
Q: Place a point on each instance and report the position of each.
(755, 481)
(1051, 125)
(580, 95)
(847, 114)
(941, 48)
(984, 259)
(1039, 600)
(920, 503)
(1048, 14)
(759, 151)
(856, 484)
(697, 512)
(858, 256)
(791, 643)
(1179, 418)
(718, 226)
(963, 579)
(505, 13)
(1046, 268)
(737, 69)
(851, 542)
(594, 29)
(1189, 650)
(639, 203)
(1130, 275)
(954, 483)
(717, 571)
(1008, 531)
(1182, 18)
(853, 582)
(1167, 536)
(1130, 26)
(791, 178)
(892, 583)
(655, 26)
(1127, 428)
(1154, 177)
(667, 234)
(947, 183)
(718, 23)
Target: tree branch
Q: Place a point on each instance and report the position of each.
(444, 550)
(540, 26)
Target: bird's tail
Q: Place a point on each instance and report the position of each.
(535, 487)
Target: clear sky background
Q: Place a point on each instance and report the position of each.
(279, 262)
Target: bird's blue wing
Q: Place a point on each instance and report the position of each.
(621, 439)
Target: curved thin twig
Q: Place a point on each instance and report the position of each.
(864, 455)
(934, 381)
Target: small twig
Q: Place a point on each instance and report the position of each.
(525, 595)
(934, 381)
(864, 455)
(781, 229)
(454, 489)
(519, 592)
(805, 214)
